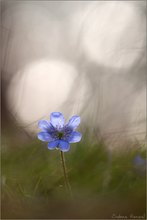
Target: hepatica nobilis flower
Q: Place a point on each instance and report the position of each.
(57, 133)
(140, 163)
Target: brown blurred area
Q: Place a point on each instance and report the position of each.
(80, 208)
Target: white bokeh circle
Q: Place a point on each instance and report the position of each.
(113, 34)
(39, 89)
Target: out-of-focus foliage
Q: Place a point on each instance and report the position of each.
(103, 182)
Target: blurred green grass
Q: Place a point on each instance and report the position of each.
(103, 181)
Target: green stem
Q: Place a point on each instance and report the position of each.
(65, 174)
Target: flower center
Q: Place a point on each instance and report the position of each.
(60, 135)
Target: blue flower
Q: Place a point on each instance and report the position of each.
(140, 163)
(57, 134)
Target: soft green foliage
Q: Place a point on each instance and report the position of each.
(32, 179)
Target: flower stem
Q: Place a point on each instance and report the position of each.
(65, 174)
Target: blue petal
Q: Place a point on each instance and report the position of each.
(44, 125)
(64, 146)
(138, 160)
(53, 144)
(74, 137)
(57, 120)
(44, 136)
(74, 122)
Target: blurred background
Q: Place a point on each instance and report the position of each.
(84, 58)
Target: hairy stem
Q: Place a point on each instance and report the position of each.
(65, 174)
